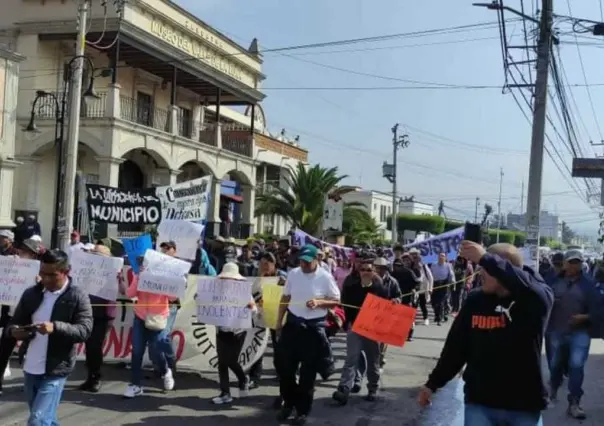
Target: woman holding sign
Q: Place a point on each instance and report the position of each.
(150, 319)
(229, 342)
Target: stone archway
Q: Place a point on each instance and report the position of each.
(192, 170)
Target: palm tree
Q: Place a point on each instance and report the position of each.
(359, 226)
(302, 202)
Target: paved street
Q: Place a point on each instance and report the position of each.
(189, 402)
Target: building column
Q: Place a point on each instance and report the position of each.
(164, 176)
(31, 169)
(218, 135)
(213, 223)
(248, 207)
(197, 122)
(261, 184)
(113, 105)
(109, 174)
(7, 172)
(173, 119)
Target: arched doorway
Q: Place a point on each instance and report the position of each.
(141, 168)
(192, 170)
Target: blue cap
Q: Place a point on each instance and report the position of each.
(308, 253)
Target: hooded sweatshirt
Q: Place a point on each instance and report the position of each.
(499, 340)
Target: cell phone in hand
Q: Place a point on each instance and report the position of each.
(30, 327)
(473, 232)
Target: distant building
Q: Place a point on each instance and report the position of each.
(410, 206)
(377, 204)
(549, 224)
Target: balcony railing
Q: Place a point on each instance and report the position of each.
(147, 115)
(207, 134)
(89, 108)
(237, 141)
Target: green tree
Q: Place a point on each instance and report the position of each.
(504, 237)
(451, 224)
(520, 239)
(302, 203)
(360, 227)
(567, 233)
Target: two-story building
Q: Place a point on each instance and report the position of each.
(171, 94)
(377, 204)
(9, 84)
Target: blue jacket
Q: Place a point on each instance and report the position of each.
(594, 295)
(206, 266)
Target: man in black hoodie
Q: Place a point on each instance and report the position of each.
(498, 336)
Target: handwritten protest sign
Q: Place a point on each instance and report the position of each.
(383, 321)
(185, 234)
(136, 247)
(223, 302)
(271, 298)
(160, 264)
(161, 284)
(16, 275)
(96, 275)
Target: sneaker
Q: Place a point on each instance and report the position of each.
(223, 398)
(427, 322)
(90, 385)
(284, 413)
(254, 385)
(7, 372)
(168, 379)
(371, 396)
(576, 412)
(133, 391)
(300, 420)
(340, 397)
(355, 389)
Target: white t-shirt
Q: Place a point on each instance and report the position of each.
(304, 287)
(35, 359)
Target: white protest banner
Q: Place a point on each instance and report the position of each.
(95, 274)
(223, 302)
(16, 275)
(185, 234)
(161, 284)
(447, 242)
(194, 342)
(185, 201)
(160, 264)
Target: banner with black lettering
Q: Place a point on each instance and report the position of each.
(187, 200)
(115, 205)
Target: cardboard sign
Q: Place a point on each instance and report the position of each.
(223, 302)
(96, 275)
(136, 247)
(383, 321)
(16, 275)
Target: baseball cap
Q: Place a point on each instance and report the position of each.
(168, 245)
(32, 246)
(558, 257)
(573, 255)
(380, 261)
(101, 251)
(308, 253)
(7, 234)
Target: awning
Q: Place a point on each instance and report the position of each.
(233, 198)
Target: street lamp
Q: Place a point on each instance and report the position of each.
(60, 108)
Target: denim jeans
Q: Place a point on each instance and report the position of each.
(479, 415)
(43, 395)
(573, 347)
(165, 344)
(141, 336)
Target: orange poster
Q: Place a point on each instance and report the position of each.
(384, 321)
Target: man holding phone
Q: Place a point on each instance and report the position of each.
(50, 319)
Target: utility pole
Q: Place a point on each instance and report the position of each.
(533, 202)
(522, 198)
(389, 171)
(476, 210)
(73, 134)
(499, 203)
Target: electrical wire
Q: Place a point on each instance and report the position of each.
(589, 97)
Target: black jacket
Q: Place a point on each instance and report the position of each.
(353, 295)
(72, 319)
(499, 340)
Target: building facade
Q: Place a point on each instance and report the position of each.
(407, 206)
(9, 87)
(377, 204)
(550, 225)
(171, 95)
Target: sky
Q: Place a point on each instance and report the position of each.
(460, 138)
